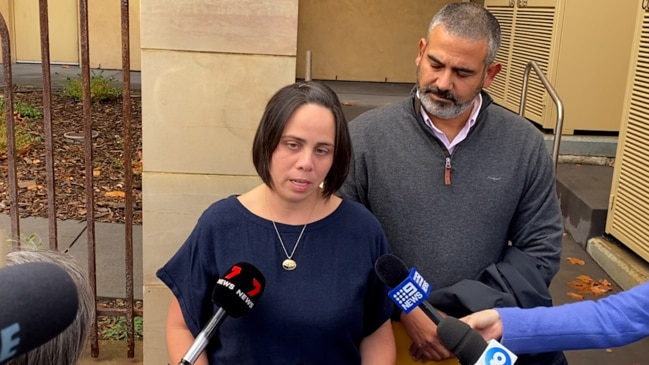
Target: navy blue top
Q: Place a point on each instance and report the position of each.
(315, 314)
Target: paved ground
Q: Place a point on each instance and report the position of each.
(113, 353)
(634, 354)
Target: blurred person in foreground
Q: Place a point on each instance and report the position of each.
(464, 189)
(322, 303)
(69, 345)
(616, 320)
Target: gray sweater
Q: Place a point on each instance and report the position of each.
(502, 189)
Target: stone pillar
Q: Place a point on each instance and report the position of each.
(208, 69)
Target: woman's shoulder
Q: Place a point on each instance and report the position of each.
(224, 208)
(229, 202)
(357, 211)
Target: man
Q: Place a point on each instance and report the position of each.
(464, 189)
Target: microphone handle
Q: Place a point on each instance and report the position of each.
(430, 311)
(203, 338)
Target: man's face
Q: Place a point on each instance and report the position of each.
(451, 72)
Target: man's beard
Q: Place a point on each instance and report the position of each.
(450, 108)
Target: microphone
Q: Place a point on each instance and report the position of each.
(235, 294)
(469, 347)
(410, 288)
(38, 301)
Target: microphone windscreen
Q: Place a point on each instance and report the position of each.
(461, 339)
(38, 301)
(239, 289)
(391, 270)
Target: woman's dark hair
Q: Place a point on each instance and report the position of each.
(279, 110)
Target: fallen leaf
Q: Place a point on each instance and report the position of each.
(576, 261)
(575, 296)
(26, 184)
(96, 172)
(584, 284)
(601, 287)
(115, 194)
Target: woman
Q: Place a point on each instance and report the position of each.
(322, 303)
(616, 320)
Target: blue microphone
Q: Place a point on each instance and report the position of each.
(410, 289)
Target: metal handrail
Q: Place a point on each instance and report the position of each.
(557, 101)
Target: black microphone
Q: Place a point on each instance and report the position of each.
(407, 286)
(461, 339)
(38, 301)
(235, 294)
(469, 347)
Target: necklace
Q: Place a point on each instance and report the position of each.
(289, 264)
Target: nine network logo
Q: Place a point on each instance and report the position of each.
(411, 292)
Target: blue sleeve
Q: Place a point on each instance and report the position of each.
(378, 305)
(613, 321)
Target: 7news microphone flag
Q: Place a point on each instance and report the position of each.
(236, 293)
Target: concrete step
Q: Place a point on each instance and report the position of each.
(584, 193)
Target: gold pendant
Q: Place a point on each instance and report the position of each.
(289, 264)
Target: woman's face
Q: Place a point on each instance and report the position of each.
(305, 152)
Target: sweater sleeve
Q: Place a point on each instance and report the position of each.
(613, 321)
(355, 186)
(537, 226)
(522, 275)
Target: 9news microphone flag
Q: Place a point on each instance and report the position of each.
(411, 290)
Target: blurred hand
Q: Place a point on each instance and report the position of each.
(426, 346)
(487, 323)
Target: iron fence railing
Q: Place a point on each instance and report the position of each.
(128, 311)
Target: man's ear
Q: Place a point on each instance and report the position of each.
(422, 49)
(491, 73)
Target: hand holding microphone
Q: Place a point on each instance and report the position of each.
(412, 290)
(235, 294)
(469, 347)
(487, 322)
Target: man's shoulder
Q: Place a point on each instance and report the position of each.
(383, 113)
(506, 120)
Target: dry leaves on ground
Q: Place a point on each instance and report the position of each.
(576, 261)
(69, 169)
(584, 284)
